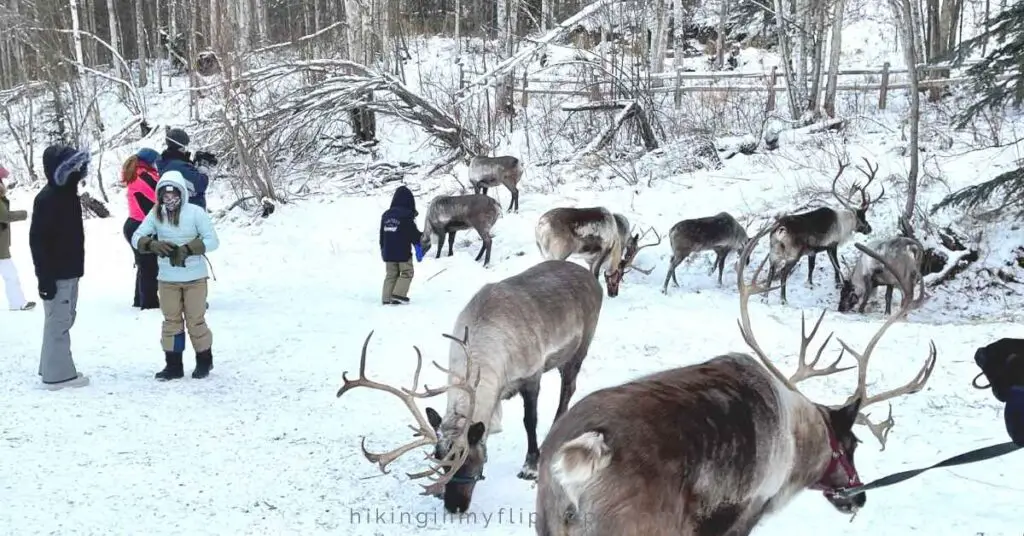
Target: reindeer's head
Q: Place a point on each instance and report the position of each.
(458, 446)
(860, 212)
(833, 470)
(425, 240)
(848, 296)
(616, 270)
(841, 472)
(458, 492)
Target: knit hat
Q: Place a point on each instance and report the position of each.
(177, 138)
(147, 155)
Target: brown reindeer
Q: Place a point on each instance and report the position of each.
(823, 229)
(490, 171)
(515, 331)
(709, 448)
(720, 233)
(598, 235)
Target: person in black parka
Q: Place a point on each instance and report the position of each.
(1002, 364)
(399, 236)
(57, 239)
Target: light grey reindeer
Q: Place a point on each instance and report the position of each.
(904, 254)
(490, 171)
(449, 214)
(514, 331)
(822, 229)
(720, 233)
(710, 448)
(600, 236)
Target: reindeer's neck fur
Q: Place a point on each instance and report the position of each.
(846, 222)
(487, 408)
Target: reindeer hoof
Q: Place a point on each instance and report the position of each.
(528, 473)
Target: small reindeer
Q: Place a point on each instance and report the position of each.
(905, 256)
(598, 235)
(709, 448)
(720, 233)
(490, 171)
(449, 214)
(514, 331)
(822, 229)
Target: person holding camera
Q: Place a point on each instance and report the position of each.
(177, 158)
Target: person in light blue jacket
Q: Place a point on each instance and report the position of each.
(180, 233)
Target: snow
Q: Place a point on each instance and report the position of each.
(263, 446)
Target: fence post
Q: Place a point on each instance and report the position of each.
(883, 90)
(772, 79)
(678, 91)
(462, 76)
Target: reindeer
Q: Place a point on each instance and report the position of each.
(822, 229)
(490, 171)
(709, 448)
(598, 235)
(514, 331)
(449, 214)
(721, 233)
(904, 254)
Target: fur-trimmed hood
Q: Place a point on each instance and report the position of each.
(61, 161)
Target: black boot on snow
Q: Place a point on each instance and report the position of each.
(204, 364)
(174, 368)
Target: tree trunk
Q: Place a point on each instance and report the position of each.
(785, 48)
(820, 11)
(835, 49)
(723, 14)
(76, 37)
(193, 53)
(115, 38)
(140, 38)
(910, 54)
(658, 33)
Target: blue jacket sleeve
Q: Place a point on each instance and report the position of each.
(146, 228)
(204, 225)
(1014, 414)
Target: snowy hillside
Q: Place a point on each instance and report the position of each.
(263, 446)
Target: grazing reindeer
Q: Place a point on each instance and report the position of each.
(490, 171)
(449, 214)
(822, 229)
(709, 448)
(515, 330)
(905, 256)
(598, 235)
(721, 233)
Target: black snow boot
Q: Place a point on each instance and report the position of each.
(204, 364)
(174, 368)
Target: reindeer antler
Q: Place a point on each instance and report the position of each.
(805, 369)
(843, 164)
(627, 261)
(424, 431)
(870, 172)
(881, 430)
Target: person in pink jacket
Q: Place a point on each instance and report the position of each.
(8, 272)
(139, 177)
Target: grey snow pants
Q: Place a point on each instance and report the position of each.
(55, 362)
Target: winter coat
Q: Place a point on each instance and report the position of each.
(173, 159)
(398, 231)
(142, 191)
(1014, 414)
(193, 222)
(56, 235)
(7, 217)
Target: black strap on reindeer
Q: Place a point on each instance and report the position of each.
(976, 455)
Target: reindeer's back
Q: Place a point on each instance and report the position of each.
(696, 432)
(708, 231)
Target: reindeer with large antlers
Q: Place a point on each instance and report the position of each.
(709, 448)
(602, 237)
(823, 229)
(515, 330)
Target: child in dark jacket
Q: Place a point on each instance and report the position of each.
(1002, 363)
(398, 233)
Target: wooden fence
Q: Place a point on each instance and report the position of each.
(678, 83)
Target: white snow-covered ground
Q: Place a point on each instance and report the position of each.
(264, 447)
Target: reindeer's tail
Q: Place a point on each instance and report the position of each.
(574, 468)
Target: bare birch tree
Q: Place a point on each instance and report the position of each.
(140, 40)
(76, 36)
(835, 50)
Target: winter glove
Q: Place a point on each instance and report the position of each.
(159, 247)
(1014, 415)
(419, 252)
(180, 253)
(47, 289)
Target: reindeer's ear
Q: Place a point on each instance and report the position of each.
(433, 418)
(476, 433)
(844, 417)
